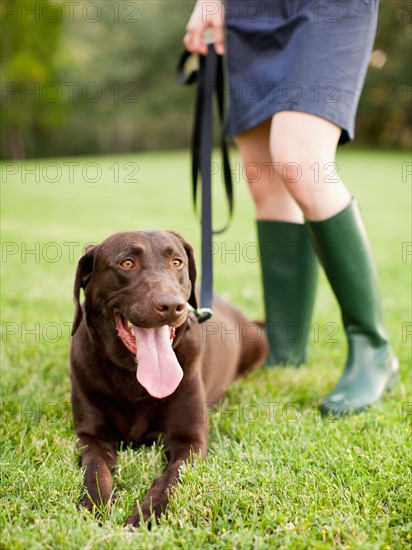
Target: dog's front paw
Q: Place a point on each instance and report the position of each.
(143, 516)
(86, 502)
(137, 518)
(98, 508)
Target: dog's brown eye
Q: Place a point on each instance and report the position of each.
(127, 264)
(177, 263)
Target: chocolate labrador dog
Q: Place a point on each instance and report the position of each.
(142, 367)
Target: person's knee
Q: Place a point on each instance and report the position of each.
(258, 176)
(288, 173)
(295, 173)
(303, 173)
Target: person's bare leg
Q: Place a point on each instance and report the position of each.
(303, 150)
(271, 198)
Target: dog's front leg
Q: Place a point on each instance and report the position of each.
(98, 459)
(158, 495)
(184, 435)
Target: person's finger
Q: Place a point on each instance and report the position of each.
(219, 40)
(194, 41)
(187, 41)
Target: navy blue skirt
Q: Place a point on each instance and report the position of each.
(302, 55)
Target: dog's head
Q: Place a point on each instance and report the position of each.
(138, 284)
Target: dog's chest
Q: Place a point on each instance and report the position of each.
(136, 420)
(125, 407)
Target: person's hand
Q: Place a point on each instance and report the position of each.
(207, 14)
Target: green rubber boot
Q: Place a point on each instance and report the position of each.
(371, 368)
(289, 277)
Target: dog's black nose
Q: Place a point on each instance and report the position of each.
(169, 306)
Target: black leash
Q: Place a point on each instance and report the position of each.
(210, 82)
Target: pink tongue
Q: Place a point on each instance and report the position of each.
(158, 369)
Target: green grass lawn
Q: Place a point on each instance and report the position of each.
(277, 475)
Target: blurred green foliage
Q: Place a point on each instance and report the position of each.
(385, 115)
(27, 65)
(99, 77)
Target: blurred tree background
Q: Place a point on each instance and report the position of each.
(95, 77)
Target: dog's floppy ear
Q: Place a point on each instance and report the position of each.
(83, 274)
(192, 268)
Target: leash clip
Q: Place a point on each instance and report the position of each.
(202, 314)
